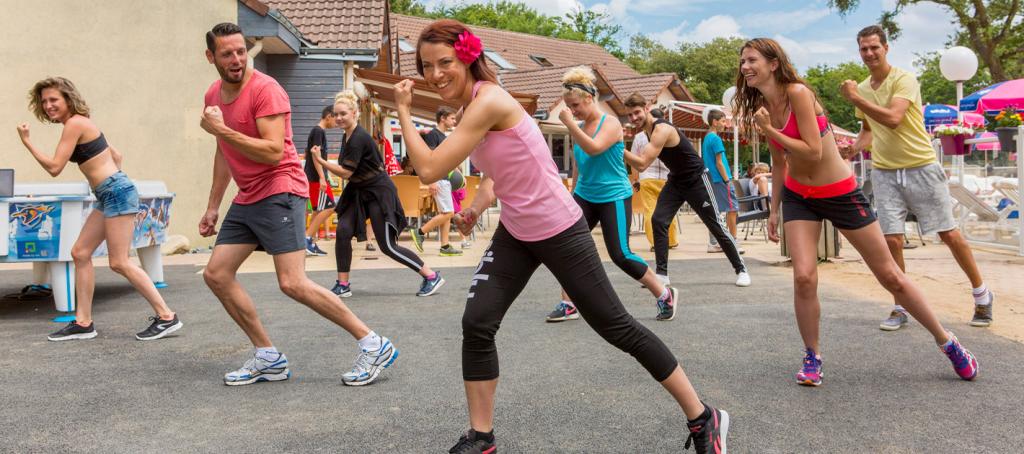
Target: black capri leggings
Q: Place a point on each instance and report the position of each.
(387, 237)
(616, 218)
(572, 257)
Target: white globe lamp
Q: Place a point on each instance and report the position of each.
(731, 93)
(958, 64)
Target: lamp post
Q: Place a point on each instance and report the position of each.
(958, 64)
(727, 97)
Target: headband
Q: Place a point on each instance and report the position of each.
(587, 88)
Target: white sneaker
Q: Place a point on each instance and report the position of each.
(466, 244)
(369, 364)
(714, 248)
(257, 369)
(664, 279)
(742, 279)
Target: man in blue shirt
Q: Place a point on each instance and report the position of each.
(717, 163)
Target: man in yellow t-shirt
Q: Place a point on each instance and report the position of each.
(906, 178)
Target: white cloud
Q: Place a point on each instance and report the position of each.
(804, 54)
(926, 27)
(782, 21)
(719, 26)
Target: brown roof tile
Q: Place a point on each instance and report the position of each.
(650, 85)
(341, 24)
(547, 85)
(517, 48)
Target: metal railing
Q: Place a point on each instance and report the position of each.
(1019, 247)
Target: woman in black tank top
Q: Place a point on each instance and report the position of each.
(56, 100)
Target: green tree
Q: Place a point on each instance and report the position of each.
(591, 26)
(707, 69)
(504, 15)
(710, 68)
(994, 29)
(936, 89)
(825, 80)
(409, 7)
(647, 56)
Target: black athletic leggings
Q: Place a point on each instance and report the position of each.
(572, 257)
(616, 218)
(698, 193)
(386, 234)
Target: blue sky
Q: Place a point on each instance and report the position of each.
(809, 31)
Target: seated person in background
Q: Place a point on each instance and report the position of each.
(760, 177)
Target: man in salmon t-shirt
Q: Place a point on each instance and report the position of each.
(250, 115)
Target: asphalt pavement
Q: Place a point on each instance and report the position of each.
(563, 389)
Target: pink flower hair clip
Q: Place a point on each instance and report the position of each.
(468, 47)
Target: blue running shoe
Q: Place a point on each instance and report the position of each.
(369, 364)
(343, 291)
(257, 369)
(310, 247)
(318, 251)
(431, 286)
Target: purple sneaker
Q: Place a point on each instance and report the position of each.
(964, 363)
(811, 373)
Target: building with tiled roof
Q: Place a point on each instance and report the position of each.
(513, 51)
(337, 24)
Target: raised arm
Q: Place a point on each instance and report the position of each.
(611, 132)
(491, 106)
(892, 115)
(54, 165)
(332, 167)
(266, 149)
(651, 151)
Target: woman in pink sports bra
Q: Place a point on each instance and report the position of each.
(540, 224)
(811, 182)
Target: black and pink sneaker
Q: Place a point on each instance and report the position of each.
(473, 443)
(708, 435)
(964, 363)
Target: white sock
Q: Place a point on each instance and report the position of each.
(268, 353)
(981, 295)
(899, 308)
(371, 342)
(569, 303)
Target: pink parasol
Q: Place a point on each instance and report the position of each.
(995, 97)
(989, 146)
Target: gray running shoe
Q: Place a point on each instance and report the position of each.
(982, 315)
(897, 319)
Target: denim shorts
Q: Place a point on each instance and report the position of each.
(116, 196)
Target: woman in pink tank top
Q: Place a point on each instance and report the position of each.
(811, 182)
(540, 224)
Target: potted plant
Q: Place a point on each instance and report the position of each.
(1005, 125)
(953, 137)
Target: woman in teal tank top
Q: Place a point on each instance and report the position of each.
(601, 186)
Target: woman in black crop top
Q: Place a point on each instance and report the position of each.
(370, 194)
(56, 100)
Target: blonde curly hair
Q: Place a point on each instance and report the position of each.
(348, 98)
(579, 81)
(76, 104)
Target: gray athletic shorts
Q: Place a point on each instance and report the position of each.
(275, 224)
(922, 191)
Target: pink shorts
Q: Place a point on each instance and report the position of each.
(457, 197)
